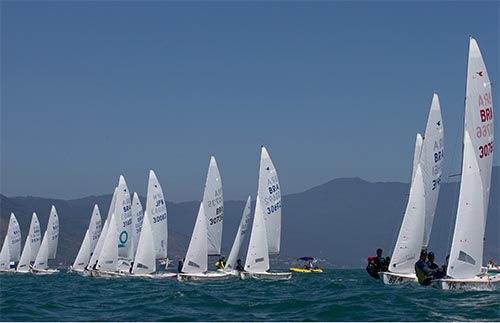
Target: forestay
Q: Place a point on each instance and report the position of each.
(466, 255)
(240, 237)
(196, 261)
(156, 209)
(213, 204)
(269, 193)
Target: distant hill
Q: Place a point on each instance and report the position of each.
(342, 221)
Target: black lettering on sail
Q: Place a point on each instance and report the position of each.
(193, 264)
(463, 256)
(259, 260)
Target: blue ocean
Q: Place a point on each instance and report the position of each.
(335, 295)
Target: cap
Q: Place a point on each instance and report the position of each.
(371, 258)
(423, 253)
(431, 254)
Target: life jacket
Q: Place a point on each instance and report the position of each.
(219, 265)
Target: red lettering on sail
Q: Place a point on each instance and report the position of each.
(486, 114)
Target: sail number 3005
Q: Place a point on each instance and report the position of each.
(273, 208)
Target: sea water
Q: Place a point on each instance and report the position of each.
(336, 295)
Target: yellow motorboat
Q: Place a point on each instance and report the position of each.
(307, 267)
(303, 270)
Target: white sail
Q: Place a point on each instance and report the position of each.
(269, 193)
(100, 242)
(156, 209)
(108, 257)
(98, 248)
(409, 243)
(83, 257)
(123, 213)
(196, 261)
(24, 262)
(53, 233)
(35, 235)
(145, 259)
(14, 234)
(257, 255)
(431, 160)
(5, 255)
(466, 255)
(95, 227)
(42, 258)
(213, 204)
(137, 218)
(240, 236)
(416, 155)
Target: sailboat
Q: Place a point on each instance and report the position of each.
(11, 248)
(137, 218)
(238, 240)
(424, 191)
(117, 228)
(466, 256)
(207, 232)
(107, 264)
(92, 264)
(266, 229)
(31, 246)
(145, 260)
(89, 242)
(48, 248)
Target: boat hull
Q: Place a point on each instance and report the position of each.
(398, 279)
(44, 271)
(302, 270)
(485, 282)
(203, 276)
(265, 275)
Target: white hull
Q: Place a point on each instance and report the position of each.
(108, 274)
(265, 275)
(486, 283)
(7, 270)
(44, 271)
(203, 276)
(398, 279)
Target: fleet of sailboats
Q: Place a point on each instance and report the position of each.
(133, 241)
(424, 191)
(466, 254)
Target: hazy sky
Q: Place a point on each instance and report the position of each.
(92, 90)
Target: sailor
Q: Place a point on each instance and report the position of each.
(371, 268)
(439, 272)
(239, 266)
(380, 261)
(179, 266)
(221, 263)
(424, 273)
